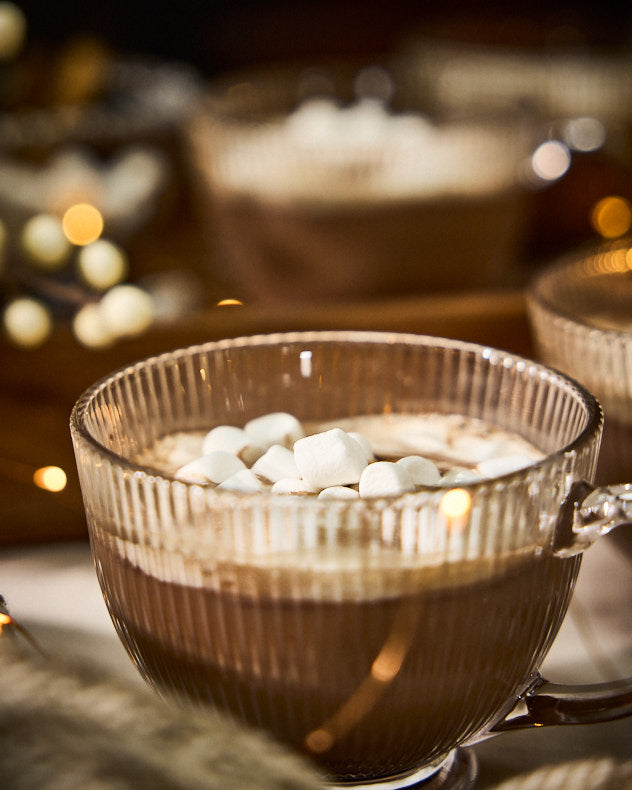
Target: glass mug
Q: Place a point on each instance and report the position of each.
(580, 310)
(374, 635)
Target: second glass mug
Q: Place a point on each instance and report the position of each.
(376, 636)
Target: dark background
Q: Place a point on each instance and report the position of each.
(219, 35)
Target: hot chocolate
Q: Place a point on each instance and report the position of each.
(326, 200)
(370, 662)
(369, 684)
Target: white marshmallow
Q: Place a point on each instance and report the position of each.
(225, 437)
(233, 440)
(275, 428)
(504, 464)
(329, 458)
(338, 492)
(385, 478)
(422, 470)
(458, 474)
(364, 443)
(212, 468)
(245, 481)
(292, 485)
(276, 463)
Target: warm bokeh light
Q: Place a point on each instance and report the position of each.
(13, 28)
(387, 664)
(585, 134)
(50, 478)
(5, 620)
(102, 264)
(229, 302)
(319, 741)
(45, 243)
(89, 327)
(455, 505)
(82, 224)
(551, 160)
(27, 322)
(127, 310)
(611, 217)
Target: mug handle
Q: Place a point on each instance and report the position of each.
(546, 704)
(586, 514)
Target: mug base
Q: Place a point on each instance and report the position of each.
(457, 771)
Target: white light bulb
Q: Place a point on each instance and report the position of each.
(44, 241)
(28, 323)
(102, 264)
(127, 310)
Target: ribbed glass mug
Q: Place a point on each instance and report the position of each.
(580, 309)
(377, 635)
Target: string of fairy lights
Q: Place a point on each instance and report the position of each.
(61, 256)
(104, 308)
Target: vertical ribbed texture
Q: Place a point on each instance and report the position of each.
(566, 304)
(368, 627)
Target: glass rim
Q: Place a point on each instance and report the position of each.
(593, 424)
(584, 262)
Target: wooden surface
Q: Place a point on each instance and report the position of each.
(38, 388)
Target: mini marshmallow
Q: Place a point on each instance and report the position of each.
(278, 427)
(225, 437)
(212, 468)
(329, 458)
(234, 440)
(276, 463)
(292, 485)
(245, 481)
(338, 492)
(385, 478)
(504, 464)
(458, 474)
(422, 470)
(364, 443)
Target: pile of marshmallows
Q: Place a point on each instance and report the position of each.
(272, 453)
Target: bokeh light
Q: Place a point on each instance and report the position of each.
(50, 478)
(551, 160)
(455, 506)
(102, 264)
(127, 310)
(82, 224)
(89, 327)
(44, 242)
(12, 30)
(27, 322)
(585, 134)
(230, 303)
(611, 216)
